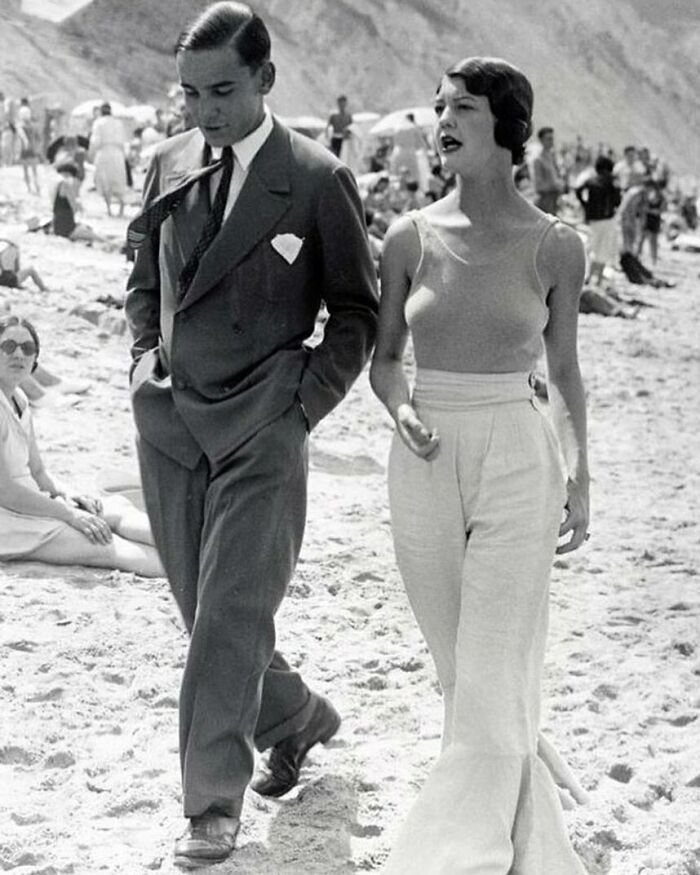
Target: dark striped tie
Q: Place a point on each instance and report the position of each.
(141, 228)
(213, 222)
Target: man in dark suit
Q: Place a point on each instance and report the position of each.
(239, 247)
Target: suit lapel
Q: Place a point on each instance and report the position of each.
(262, 202)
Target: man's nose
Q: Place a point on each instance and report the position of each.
(206, 110)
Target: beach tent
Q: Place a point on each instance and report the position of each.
(85, 109)
(396, 121)
(141, 113)
(53, 10)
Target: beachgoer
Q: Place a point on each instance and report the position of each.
(338, 124)
(651, 228)
(600, 198)
(224, 392)
(29, 151)
(546, 176)
(12, 275)
(482, 280)
(71, 151)
(632, 215)
(65, 205)
(38, 520)
(9, 139)
(409, 155)
(629, 170)
(107, 152)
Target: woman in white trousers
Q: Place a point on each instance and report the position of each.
(481, 485)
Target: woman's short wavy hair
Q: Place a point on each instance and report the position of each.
(17, 322)
(509, 95)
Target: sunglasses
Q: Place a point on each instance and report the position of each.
(28, 347)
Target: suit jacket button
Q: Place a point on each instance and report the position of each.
(237, 328)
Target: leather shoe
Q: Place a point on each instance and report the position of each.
(209, 838)
(280, 773)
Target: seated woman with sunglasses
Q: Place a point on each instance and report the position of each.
(37, 521)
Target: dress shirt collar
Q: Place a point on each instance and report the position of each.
(247, 148)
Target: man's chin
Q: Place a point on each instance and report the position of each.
(217, 137)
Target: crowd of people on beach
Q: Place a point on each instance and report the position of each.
(245, 230)
(621, 202)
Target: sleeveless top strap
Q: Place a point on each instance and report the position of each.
(547, 222)
(423, 229)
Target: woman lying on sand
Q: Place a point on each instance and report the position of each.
(37, 520)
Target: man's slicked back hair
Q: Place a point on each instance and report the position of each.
(228, 23)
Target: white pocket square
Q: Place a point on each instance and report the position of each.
(288, 246)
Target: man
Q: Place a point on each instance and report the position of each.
(224, 391)
(546, 176)
(338, 124)
(629, 170)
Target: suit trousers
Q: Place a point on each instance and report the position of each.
(229, 537)
(475, 529)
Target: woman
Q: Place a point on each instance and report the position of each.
(600, 198)
(656, 204)
(37, 521)
(481, 278)
(29, 153)
(107, 152)
(12, 275)
(65, 205)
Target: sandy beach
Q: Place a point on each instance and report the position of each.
(90, 661)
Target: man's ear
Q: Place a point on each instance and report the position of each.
(267, 77)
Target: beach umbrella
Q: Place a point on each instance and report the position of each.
(365, 117)
(141, 113)
(310, 124)
(86, 109)
(59, 141)
(397, 121)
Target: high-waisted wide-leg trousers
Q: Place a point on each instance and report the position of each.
(475, 529)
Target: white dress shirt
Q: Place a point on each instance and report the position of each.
(243, 153)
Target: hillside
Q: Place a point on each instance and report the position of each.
(612, 72)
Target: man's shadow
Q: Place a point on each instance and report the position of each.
(310, 834)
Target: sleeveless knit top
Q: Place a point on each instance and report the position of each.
(477, 317)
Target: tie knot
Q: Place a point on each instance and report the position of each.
(227, 155)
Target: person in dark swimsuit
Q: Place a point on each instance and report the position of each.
(64, 200)
(66, 205)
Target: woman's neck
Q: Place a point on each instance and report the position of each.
(485, 199)
(7, 390)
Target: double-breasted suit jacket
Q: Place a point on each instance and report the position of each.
(213, 367)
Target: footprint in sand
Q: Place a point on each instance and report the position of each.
(11, 755)
(348, 466)
(52, 695)
(23, 646)
(62, 759)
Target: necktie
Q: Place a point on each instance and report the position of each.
(141, 228)
(213, 222)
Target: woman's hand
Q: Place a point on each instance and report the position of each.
(414, 433)
(94, 527)
(577, 516)
(86, 502)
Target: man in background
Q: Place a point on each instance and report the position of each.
(546, 176)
